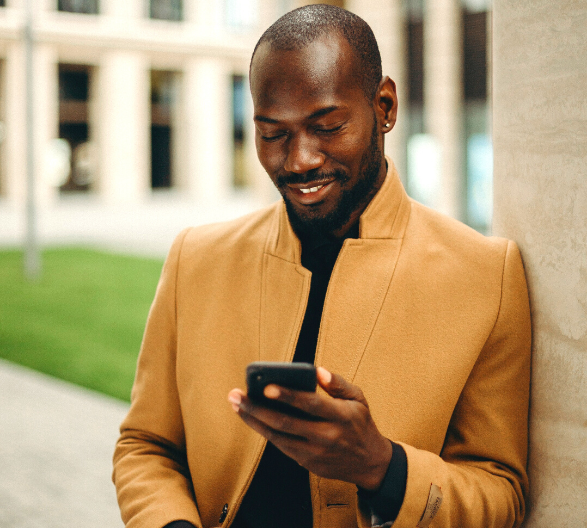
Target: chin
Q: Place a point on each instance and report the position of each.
(316, 219)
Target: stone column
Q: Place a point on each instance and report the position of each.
(443, 97)
(540, 140)
(123, 126)
(129, 9)
(46, 118)
(20, 4)
(15, 141)
(45, 115)
(207, 114)
(387, 22)
(209, 16)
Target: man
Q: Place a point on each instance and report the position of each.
(427, 317)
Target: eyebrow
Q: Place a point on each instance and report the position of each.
(314, 115)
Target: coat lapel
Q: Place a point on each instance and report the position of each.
(284, 296)
(361, 278)
(284, 292)
(357, 289)
(353, 302)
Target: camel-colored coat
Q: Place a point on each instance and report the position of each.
(428, 317)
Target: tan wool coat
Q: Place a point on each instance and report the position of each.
(428, 317)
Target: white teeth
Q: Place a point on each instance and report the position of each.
(312, 189)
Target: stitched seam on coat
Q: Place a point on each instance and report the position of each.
(179, 252)
(177, 275)
(507, 249)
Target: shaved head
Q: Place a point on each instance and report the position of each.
(298, 28)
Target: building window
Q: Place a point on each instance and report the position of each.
(163, 107)
(422, 151)
(166, 9)
(72, 154)
(478, 147)
(416, 61)
(79, 6)
(239, 175)
(475, 55)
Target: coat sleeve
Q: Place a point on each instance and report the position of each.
(151, 474)
(481, 471)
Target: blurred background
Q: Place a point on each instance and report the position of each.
(142, 113)
(121, 123)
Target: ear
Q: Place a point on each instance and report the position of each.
(386, 104)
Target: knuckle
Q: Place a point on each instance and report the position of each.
(332, 435)
(283, 421)
(286, 396)
(347, 417)
(313, 406)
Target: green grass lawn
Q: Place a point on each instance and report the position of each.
(83, 320)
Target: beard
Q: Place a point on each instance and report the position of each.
(309, 219)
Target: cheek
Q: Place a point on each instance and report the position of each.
(269, 155)
(346, 150)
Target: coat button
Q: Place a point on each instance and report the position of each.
(223, 514)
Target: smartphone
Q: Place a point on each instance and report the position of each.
(297, 376)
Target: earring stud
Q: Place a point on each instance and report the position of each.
(387, 125)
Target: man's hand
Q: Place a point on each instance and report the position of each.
(341, 442)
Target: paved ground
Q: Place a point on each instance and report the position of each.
(56, 443)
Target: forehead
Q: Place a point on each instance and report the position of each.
(321, 73)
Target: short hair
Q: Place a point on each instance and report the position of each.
(302, 26)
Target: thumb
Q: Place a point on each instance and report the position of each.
(337, 387)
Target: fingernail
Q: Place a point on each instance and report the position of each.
(235, 399)
(271, 391)
(325, 375)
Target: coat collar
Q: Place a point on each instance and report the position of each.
(386, 217)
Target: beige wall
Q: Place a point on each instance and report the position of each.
(540, 139)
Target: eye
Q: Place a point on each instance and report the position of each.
(328, 130)
(272, 138)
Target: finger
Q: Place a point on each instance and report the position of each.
(294, 447)
(273, 435)
(311, 403)
(281, 420)
(235, 397)
(337, 387)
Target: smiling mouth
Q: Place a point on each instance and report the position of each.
(310, 193)
(312, 189)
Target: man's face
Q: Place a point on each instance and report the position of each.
(317, 135)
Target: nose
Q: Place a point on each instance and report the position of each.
(303, 154)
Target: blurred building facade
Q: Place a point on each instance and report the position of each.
(143, 98)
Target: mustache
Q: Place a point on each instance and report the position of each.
(287, 178)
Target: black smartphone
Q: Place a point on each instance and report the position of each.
(297, 376)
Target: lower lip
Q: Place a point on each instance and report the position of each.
(313, 197)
